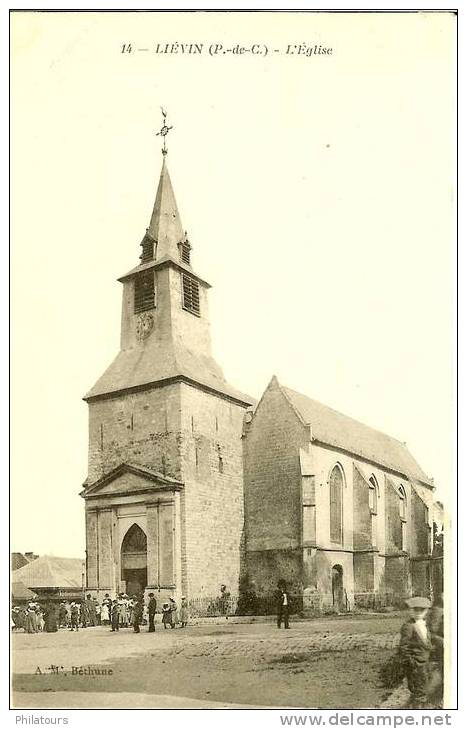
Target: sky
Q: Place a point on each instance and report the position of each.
(317, 192)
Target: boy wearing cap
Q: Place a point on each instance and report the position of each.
(415, 648)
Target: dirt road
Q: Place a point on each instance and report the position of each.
(323, 663)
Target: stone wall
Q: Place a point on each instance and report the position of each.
(397, 576)
(141, 427)
(193, 436)
(273, 490)
(212, 498)
(362, 535)
(393, 521)
(364, 572)
(420, 528)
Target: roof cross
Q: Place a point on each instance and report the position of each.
(164, 130)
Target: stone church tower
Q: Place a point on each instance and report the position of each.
(164, 492)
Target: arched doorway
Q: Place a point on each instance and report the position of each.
(134, 560)
(337, 579)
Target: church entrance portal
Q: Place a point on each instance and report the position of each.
(134, 560)
(337, 577)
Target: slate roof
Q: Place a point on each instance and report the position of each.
(19, 591)
(163, 261)
(18, 560)
(163, 361)
(339, 430)
(48, 571)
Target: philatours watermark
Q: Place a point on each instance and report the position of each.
(22, 719)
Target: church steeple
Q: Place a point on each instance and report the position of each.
(165, 227)
(165, 333)
(165, 237)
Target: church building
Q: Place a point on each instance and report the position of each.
(191, 487)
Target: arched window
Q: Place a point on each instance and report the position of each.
(135, 540)
(403, 518)
(336, 485)
(373, 493)
(402, 504)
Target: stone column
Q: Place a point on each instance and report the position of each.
(166, 545)
(152, 534)
(177, 545)
(105, 549)
(91, 549)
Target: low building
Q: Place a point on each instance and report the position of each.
(21, 594)
(56, 578)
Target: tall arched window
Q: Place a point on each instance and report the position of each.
(336, 486)
(373, 493)
(403, 518)
(402, 504)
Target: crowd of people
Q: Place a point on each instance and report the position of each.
(419, 658)
(119, 612)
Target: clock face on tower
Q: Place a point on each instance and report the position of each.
(144, 325)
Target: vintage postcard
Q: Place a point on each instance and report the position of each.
(233, 316)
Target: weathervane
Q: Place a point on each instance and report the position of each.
(164, 130)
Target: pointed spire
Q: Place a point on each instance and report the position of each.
(165, 226)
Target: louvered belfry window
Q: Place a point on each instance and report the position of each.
(144, 291)
(336, 484)
(185, 249)
(147, 246)
(190, 294)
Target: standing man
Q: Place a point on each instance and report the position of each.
(283, 604)
(152, 607)
(62, 615)
(137, 613)
(90, 611)
(74, 616)
(225, 601)
(115, 615)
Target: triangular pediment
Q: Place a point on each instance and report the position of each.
(130, 478)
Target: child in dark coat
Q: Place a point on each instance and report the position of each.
(415, 650)
(167, 615)
(115, 615)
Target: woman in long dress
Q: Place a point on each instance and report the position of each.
(174, 608)
(184, 612)
(51, 618)
(40, 619)
(31, 619)
(105, 615)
